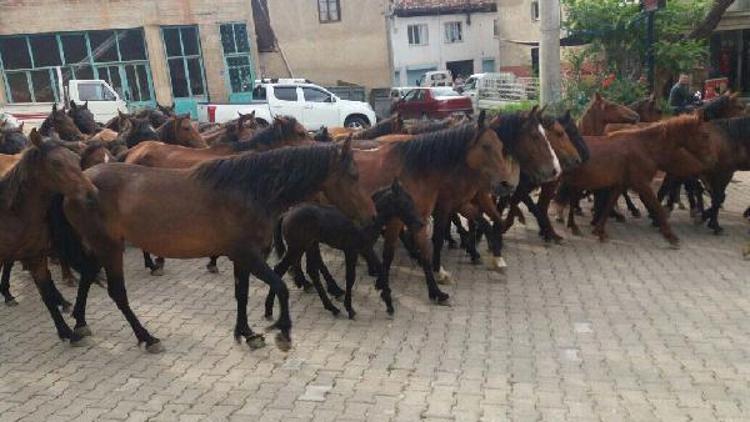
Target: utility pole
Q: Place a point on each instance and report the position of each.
(549, 52)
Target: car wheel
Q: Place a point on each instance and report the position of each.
(356, 122)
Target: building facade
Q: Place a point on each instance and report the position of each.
(519, 33)
(460, 36)
(730, 47)
(330, 42)
(166, 51)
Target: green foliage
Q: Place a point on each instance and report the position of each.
(578, 92)
(513, 107)
(617, 31)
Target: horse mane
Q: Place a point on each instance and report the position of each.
(714, 108)
(510, 129)
(15, 184)
(441, 150)
(268, 137)
(679, 126)
(47, 126)
(279, 178)
(382, 128)
(736, 129)
(571, 129)
(425, 127)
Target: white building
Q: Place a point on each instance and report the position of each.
(457, 35)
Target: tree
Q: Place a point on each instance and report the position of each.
(712, 19)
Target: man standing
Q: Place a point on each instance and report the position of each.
(680, 99)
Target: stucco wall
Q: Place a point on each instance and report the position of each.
(478, 42)
(36, 16)
(516, 24)
(353, 50)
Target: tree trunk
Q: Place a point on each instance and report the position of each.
(711, 21)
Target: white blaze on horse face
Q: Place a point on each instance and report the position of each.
(106, 158)
(555, 160)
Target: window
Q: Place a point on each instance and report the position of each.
(417, 34)
(329, 11)
(259, 93)
(415, 95)
(95, 92)
(535, 10)
(117, 56)
(184, 61)
(285, 93)
(314, 95)
(453, 32)
(488, 65)
(237, 57)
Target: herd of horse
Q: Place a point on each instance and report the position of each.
(76, 191)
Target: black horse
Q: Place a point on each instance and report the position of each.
(308, 225)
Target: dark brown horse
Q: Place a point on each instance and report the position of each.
(235, 130)
(83, 118)
(12, 139)
(221, 207)
(425, 164)
(59, 122)
(45, 169)
(630, 160)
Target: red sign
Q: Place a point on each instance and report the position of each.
(652, 5)
(715, 87)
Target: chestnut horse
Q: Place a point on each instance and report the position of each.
(59, 122)
(425, 164)
(45, 169)
(630, 159)
(601, 112)
(389, 126)
(220, 207)
(235, 130)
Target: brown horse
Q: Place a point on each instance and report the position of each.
(58, 121)
(235, 130)
(424, 164)
(389, 126)
(630, 160)
(45, 169)
(221, 207)
(179, 130)
(284, 131)
(601, 112)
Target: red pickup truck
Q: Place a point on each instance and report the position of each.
(432, 103)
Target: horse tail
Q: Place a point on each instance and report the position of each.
(67, 243)
(278, 238)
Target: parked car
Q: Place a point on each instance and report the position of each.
(432, 103)
(103, 101)
(310, 104)
(9, 120)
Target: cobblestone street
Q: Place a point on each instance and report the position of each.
(626, 330)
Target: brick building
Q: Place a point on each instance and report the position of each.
(166, 50)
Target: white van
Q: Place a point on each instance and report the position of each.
(489, 90)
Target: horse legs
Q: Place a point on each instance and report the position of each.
(612, 195)
(385, 290)
(331, 287)
(718, 182)
(654, 207)
(575, 197)
(43, 281)
(211, 266)
(242, 328)
(634, 211)
(5, 284)
(118, 293)
(460, 229)
(408, 241)
(314, 262)
(440, 222)
(545, 198)
(88, 276)
(291, 259)
(156, 268)
(350, 257)
(258, 267)
(67, 275)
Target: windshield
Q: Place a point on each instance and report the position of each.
(445, 92)
(470, 84)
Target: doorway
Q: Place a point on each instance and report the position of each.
(464, 68)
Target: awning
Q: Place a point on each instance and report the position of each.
(570, 41)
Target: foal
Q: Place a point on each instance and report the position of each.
(308, 225)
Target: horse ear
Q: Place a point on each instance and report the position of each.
(481, 119)
(54, 108)
(20, 126)
(346, 149)
(86, 105)
(251, 115)
(73, 105)
(35, 138)
(122, 115)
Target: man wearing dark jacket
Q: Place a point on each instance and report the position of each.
(680, 99)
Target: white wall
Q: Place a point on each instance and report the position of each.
(478, 43)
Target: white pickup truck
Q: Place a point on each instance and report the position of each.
(102, 100)
(310, 104)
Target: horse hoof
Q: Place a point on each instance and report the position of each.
(78, 341)
(268, 317)
(155, 348)
(674, 244)
(157, 272)
(11, 302)
(440, 298)
(444, 277)
(256, 342)
(352, 314)
(213, 269)
(476, 260)
(334, 311)
(84, 331)
(283, 342)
